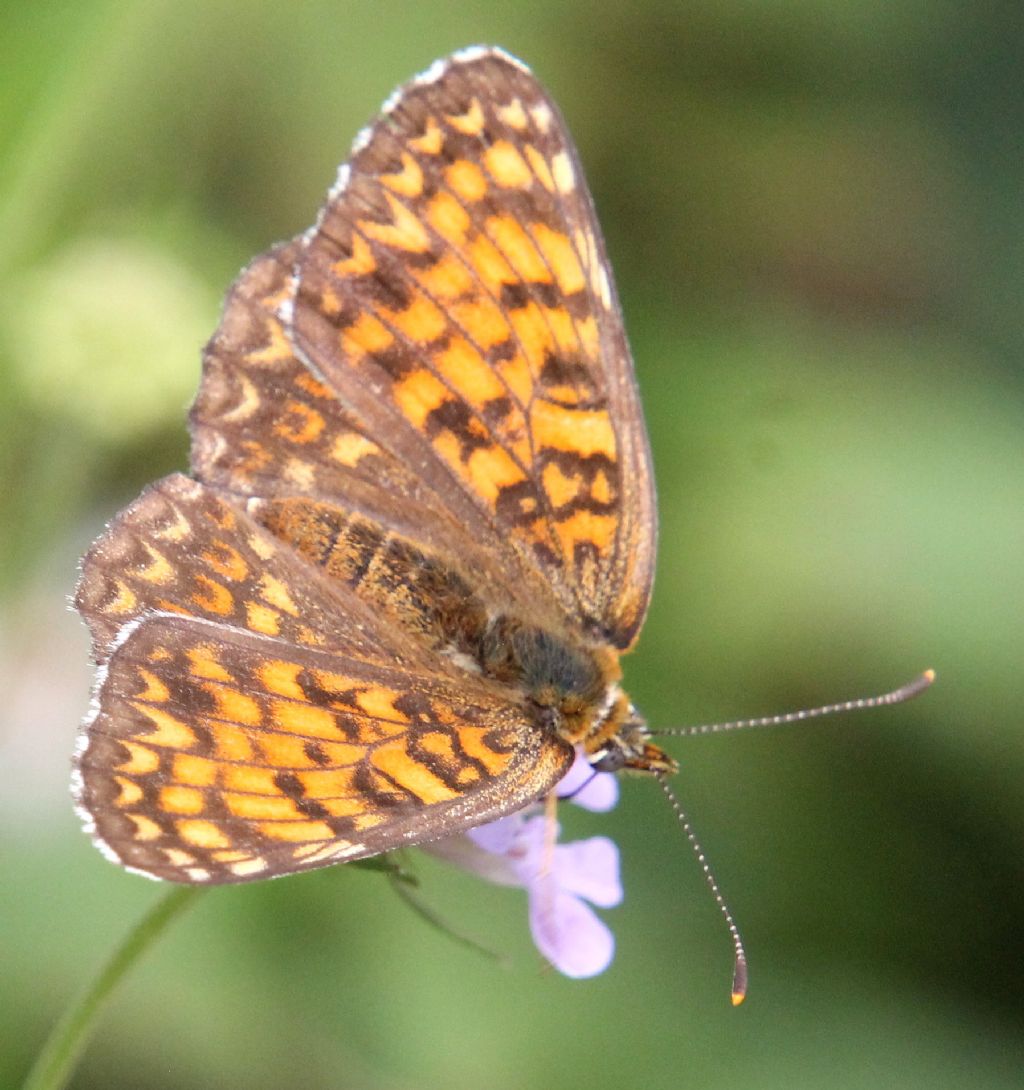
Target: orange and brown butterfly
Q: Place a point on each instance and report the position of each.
(389, 603)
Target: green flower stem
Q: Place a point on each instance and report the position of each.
(56, 1061)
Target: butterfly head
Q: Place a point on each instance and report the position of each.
(624, 743)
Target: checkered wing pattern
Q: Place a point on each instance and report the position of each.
(415, 418)
(256, 718)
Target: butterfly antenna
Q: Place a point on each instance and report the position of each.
(897, 696)
(739, 971)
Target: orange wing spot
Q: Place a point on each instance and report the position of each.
(448, 218)
(304, 426)
(367, 821)
(350, 448)
(176, 799)
(585, 526)
(141, 759)
(330, 300)
(490, 265)
(540, 167)
(130, 791)
(232, 743)
(432, 140)
(560, 488)
(262, 619)
(507, 166)
(533, 333)
(231, 855)
(512, 115)
(418, 395)
(561, 257)
(289, 752)
(379, 703)
(368, 334)
(203, 834)
(234, 706)
(217, 598)
(343, 753)
(166, 606)
(305, 381)
(465, 369)
(467, 776)
(394, 762)
(446, 279)
(261, 807)
(156, 692)
(124, 601)
(513, 241)
(466, 180)
(580, 431)
(601, 488)
(586, 330)
(227, 561)
(483, 320)
(334, 783)
(296, 830)
(422, 320)
(515, 373)
(145, 828)
(562, 328)
(438, 743)
(202, 662)
(408, 182)
(275, 350)
(344, 807)
(491, 469)
(405, 232)
(221, 516)
(471, 739)
(471, 122)
(197, 771)
(159, 571)
(168, 731)
(306, 719)
(276, 594)
(250, 779)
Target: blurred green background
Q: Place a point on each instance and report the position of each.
(814, 210)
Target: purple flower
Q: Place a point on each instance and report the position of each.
(559, 879)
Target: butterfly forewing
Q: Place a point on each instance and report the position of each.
(455, 292)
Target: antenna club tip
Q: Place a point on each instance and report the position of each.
(739, 981)
(929, 675)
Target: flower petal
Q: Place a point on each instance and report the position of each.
(596, 791)
(590, 869)
(568, 933)
(497, 836)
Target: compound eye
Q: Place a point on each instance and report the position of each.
(610, 761)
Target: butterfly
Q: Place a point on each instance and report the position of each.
(390, 601)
